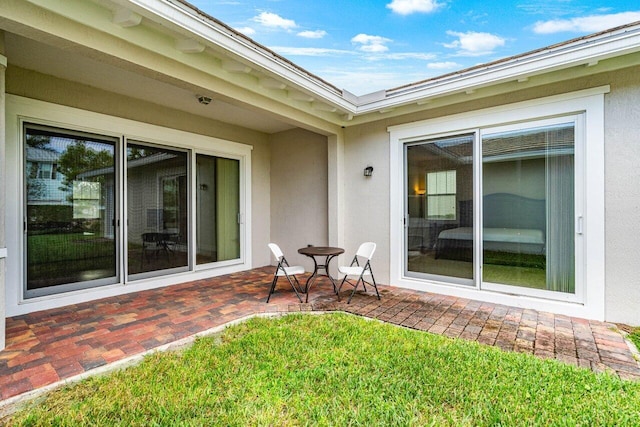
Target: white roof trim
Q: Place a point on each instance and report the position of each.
(195, 31)
(583, 52)
(205, 29)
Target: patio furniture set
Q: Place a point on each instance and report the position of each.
(359, 268)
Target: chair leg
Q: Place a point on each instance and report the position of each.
(375, 286)
(273, 287)
(298, 283)
(294, 288)
(355, 287)
(344, 279)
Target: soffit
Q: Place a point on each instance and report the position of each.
(68, 65)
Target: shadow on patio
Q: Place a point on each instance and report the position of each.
(46, 347)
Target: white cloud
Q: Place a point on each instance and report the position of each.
(371, 44)
(587, 24)
(247, 31)
(360, 81)
(448, 65)
(318, 34)
(407, 7)
(309, 51)
(472, 43)
(273, 20)
(410, 55)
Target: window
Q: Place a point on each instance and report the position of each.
(529, 218)
(217, 209)
(70, 243)
(157, 210)
(441, 195)
(439, 174)
(101, 209)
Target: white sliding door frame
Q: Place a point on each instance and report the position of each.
(589, 104)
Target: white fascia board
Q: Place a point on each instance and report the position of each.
(582, 52)
(179, 16)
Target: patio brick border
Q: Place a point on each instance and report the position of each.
(55, 347)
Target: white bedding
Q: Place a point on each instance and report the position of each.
(504, 235)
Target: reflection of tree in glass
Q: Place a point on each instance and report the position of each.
(78, 159)
(38, 141)
(136, 153)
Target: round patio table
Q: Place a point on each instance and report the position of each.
(314, 252)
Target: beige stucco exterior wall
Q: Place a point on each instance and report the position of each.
(622, 198)
(50, 89)
(367, 204)
(367, 198)
(299, 200)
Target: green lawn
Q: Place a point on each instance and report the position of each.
(340, 370)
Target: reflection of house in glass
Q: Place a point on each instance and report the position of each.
(157, 209)
(44, 179)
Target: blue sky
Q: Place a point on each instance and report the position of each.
(369, 45)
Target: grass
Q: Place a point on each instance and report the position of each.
(634, 336)
(50, 248)
(339, 370)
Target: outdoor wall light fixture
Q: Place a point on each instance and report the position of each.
(204, 100)
(368, 171)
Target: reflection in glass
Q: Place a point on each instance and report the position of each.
(528, 208)
(217, 209)
(157, 209)
(439, 204)
(70, 210)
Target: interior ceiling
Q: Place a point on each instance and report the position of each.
(45, 59)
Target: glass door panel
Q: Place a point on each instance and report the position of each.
(217, 209)
(157, 210)
(528, 183)
(70, 237)
(439, 208)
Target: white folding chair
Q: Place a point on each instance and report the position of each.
(283, 269)
(365, 252)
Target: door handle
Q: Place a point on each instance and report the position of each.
(579, 225)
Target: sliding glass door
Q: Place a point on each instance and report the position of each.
(100, 208)
(522, 240)
(440, 208)
(70, 216)
(217, 209)
(528, 192)
(157, 210)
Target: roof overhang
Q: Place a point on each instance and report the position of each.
(257, 78)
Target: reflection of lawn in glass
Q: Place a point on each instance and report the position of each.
(55, 259)
(517, 269)
(526, 270)
(516, 276)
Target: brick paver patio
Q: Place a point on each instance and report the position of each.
(50, 346)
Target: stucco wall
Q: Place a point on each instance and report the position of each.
(367, 198)
(367, 204)
(622, 198)
(43, 87)
(298, 193)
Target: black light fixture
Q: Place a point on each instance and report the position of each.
(368, 171)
